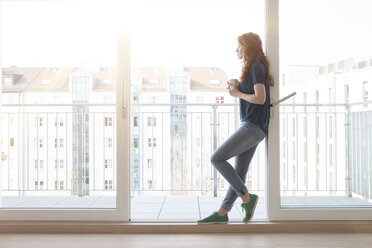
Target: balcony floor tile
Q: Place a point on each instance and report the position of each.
(173, 208)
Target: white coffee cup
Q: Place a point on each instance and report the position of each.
(234, 82)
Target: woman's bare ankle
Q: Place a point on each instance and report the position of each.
(222, 211)
(246, 198)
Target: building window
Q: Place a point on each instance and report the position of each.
(362, 64)
(136, 185)
(135, 99)
(322, 70)
(108, 163)
(135, 142)
(41, 143)
(59, 163)
(151, 121)
(135, 121)
(58, 143)
(59, 185)
(59, 122)
(220, 99)
(41, 122)
(149, 183)
(135, 168)
(365, 94)
(108, 184)
(108, 121)
(108, 142)
(153, 143)
(39, 164)
(150, 163)
(40, 186)
(341, 65)
(199, 99)
(11, 142)
(151, 99)
(331, 68)
(178, 98)
(317, 99)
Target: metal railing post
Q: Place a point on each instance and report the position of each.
(214, 107)
(347, 150)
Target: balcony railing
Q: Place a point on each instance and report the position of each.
(325, 149)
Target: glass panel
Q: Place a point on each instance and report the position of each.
(59, 104)
(183, 52)
(326, 129)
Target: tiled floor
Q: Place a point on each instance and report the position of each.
(174, 208)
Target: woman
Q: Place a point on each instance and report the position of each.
(254, 100)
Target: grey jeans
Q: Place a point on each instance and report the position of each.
(241, 145)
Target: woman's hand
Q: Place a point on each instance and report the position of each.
(233, 91)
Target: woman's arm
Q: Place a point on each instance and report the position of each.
(259, 96)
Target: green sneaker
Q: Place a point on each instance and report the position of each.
(214, 218)
(250, 207)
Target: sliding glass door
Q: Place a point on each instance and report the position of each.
(64, 110)
(183, 52)
(325, 131)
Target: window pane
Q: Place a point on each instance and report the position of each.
(183, 57)
(325, 57)
(62, 72)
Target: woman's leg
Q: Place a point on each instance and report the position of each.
(245, 138)
(242, 162)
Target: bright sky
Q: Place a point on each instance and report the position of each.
(163, 33)
(179, 32)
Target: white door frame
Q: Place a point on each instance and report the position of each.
(275, 213)
(121, 213)
(273, 144)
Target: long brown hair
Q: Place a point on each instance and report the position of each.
(251, 45)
